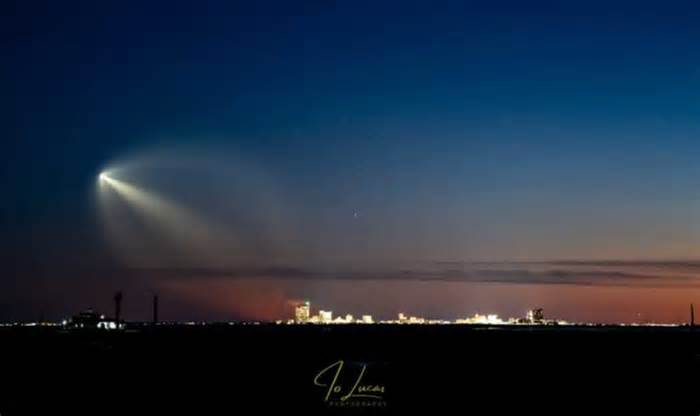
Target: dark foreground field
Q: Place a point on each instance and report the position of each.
(224, 369)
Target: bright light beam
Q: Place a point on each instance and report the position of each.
(177, 223)
(134, 251)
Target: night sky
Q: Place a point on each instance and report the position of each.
(432, 158)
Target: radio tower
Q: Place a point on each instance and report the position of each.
(155, 309)
(692, 315)
(118, 307)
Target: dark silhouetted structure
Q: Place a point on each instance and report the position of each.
(538, 315)
(85, 319)
(89, 319)
(155, 309)
(692, 315)
(118, 307)
(535, 316)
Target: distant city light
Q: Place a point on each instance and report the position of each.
(302, 315)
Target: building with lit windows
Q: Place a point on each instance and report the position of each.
(325, 316)
(302, 312)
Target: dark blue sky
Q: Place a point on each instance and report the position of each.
(456, 130)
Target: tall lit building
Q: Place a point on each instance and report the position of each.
(535, 315)
(325, 316)
(303, 312)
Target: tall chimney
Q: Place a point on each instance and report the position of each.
(692, 315)
(155, 309)
(118, 307)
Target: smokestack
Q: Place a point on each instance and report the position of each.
(155, 309)
(118, 307)
(692, 315)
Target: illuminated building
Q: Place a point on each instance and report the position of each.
(325, 316)
(482, 320)
(89, 319)
(367, 319)
(535, 315)
(302, 312)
